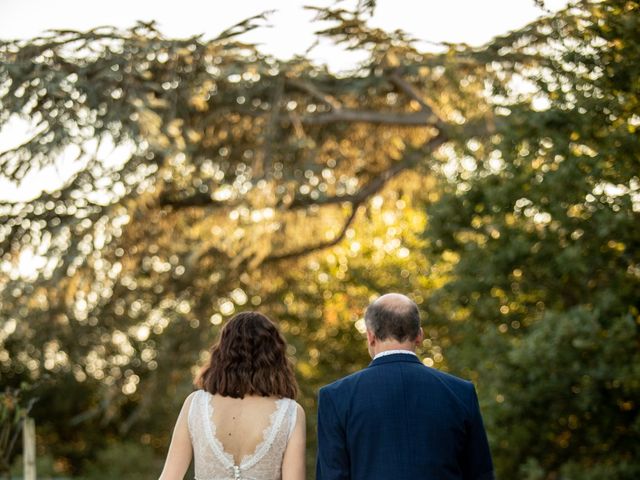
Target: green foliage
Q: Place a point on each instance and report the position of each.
(544, 227)
(126, 460)
(14, 408)
(45, 467)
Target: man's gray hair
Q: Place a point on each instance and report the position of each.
(393, 316)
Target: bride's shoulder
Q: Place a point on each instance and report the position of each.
(191, 397)
(289, 403)
(297, 418)
(300, 414)
(194, 394)
(293, 401)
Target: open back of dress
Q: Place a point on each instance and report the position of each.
(226, 456)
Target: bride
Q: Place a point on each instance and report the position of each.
(243, 423)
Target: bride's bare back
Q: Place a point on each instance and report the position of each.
(253, 438)
(240, 439)
(241, 423)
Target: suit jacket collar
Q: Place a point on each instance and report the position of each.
(395, 357)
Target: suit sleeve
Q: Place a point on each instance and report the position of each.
(333, 458)
(477, 455)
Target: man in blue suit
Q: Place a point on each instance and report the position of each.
(398, 419)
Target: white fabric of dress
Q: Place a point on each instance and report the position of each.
(212, 462)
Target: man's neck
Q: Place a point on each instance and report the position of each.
(402, 353)
(383, 347)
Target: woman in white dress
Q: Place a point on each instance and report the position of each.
(244, 422)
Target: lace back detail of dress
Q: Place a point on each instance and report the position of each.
(212, 462)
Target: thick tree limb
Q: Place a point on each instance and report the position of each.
(318, 246)
(315, 92)
(374, 185)
(199, 199)
(377, 182)
(357, 199)
(407, 88)
(203, 199)
(408, 119)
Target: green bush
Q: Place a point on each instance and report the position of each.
(45, 468)
(124, 461)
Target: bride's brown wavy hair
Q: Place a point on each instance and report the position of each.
(249, 358)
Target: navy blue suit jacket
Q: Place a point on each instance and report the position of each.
(400, 420)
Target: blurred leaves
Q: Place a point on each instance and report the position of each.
(543, 218)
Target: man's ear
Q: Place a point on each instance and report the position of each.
(420, 337)
(371, 338)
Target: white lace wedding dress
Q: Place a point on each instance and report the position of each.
(212, 462)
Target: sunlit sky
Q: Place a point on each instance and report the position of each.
(288, 31)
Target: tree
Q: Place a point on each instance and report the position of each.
(543, 221)
(239, 166)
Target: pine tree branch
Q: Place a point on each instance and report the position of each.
(315, 93)
(203, 199)
(408, 89)
(407, 119)
(358, 199)
(319, 246)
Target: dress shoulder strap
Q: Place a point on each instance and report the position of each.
(192, 419)
(293, 417)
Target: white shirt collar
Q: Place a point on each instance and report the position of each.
(392, 352)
